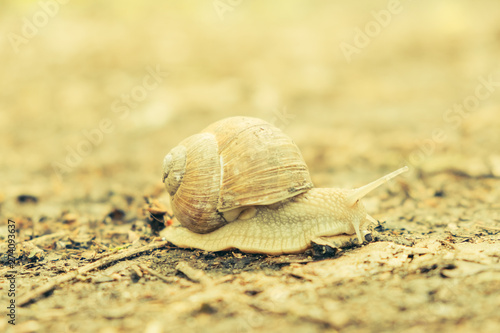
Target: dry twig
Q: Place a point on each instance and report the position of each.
(49, 238)
(193, 274)
(30, 296)
(158, 275)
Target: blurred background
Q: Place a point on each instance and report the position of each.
(93, 94)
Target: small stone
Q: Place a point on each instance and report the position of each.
(69, 218)
(495, 165)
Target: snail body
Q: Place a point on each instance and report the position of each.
(242, 183)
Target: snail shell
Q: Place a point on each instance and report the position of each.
(235, 163)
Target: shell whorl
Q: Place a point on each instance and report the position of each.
(192, 177)
(233, 164)
(174, 165)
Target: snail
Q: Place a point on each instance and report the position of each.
(242, 183)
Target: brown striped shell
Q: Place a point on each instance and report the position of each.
(233, 164)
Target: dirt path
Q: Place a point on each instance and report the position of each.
(92, 99)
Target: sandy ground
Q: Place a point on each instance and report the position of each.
(94, 94)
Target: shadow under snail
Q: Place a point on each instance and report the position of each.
(242, 183)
